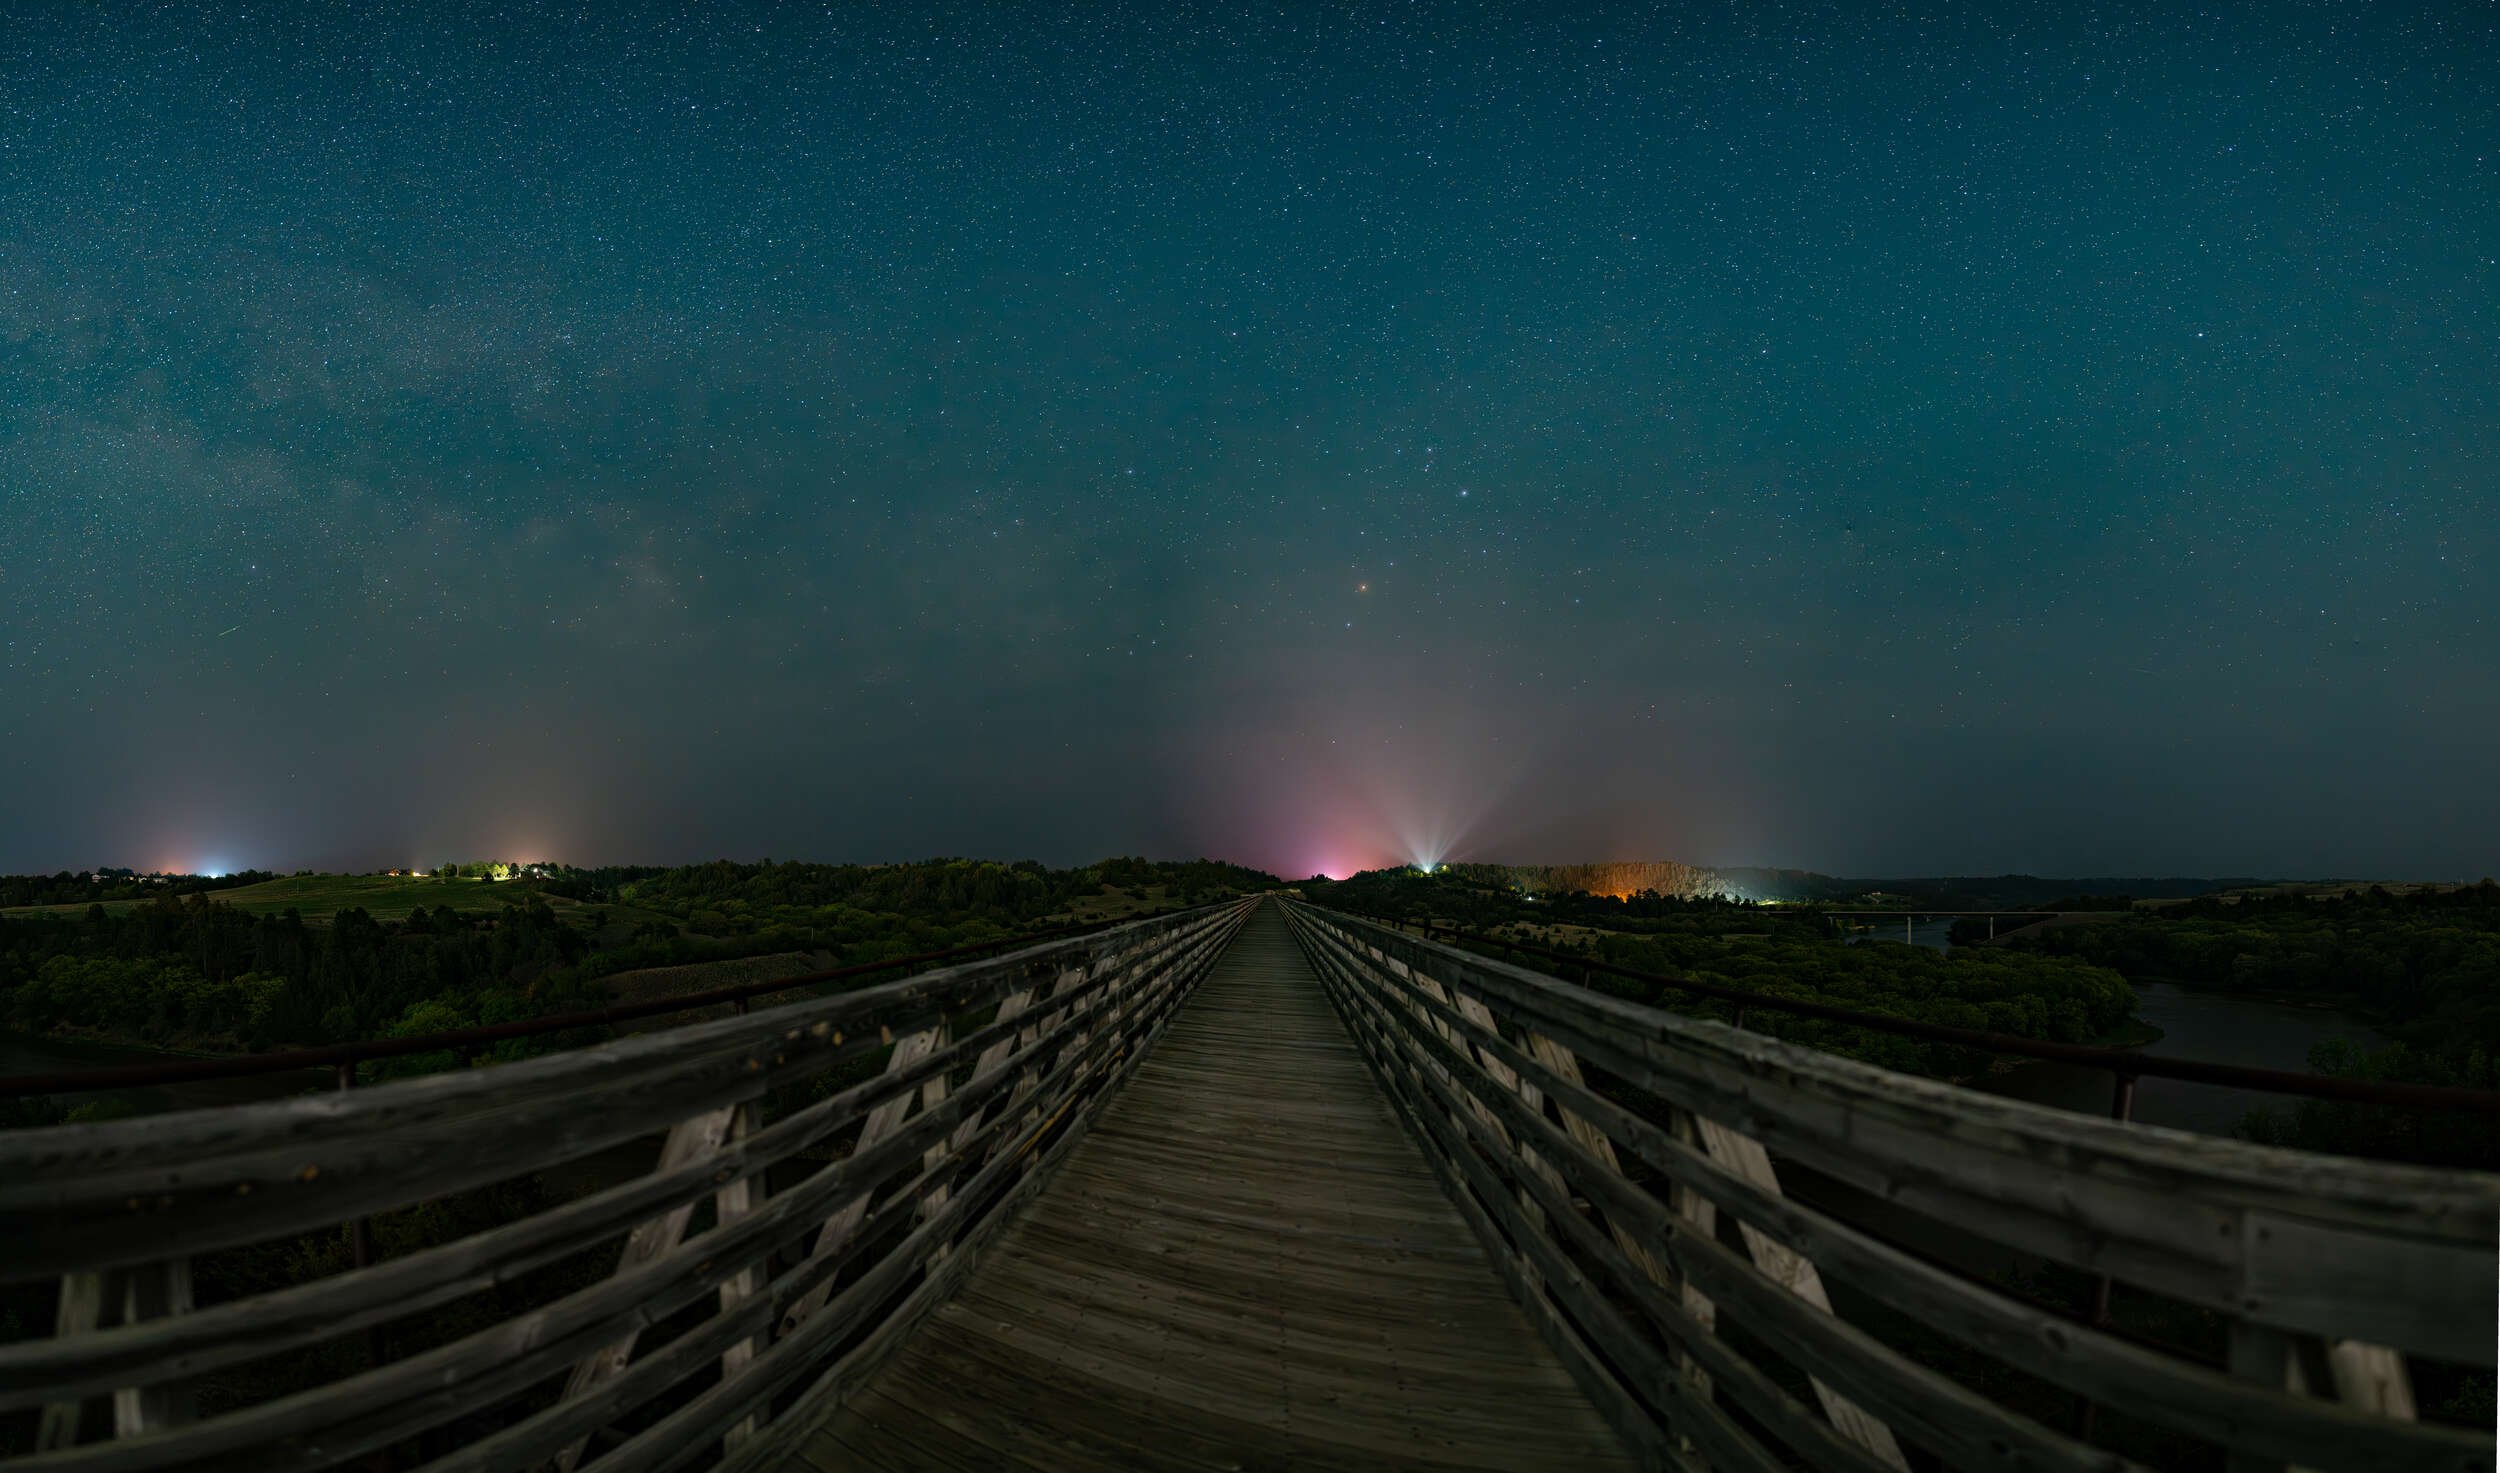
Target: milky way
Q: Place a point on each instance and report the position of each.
(1822, 437)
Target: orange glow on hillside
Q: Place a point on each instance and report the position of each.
(1621, 879)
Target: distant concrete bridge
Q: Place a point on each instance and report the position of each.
(1254, 1186)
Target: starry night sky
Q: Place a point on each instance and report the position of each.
(1864, 439)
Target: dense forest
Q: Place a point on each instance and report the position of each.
(184, 969)
(187, 971)
(190, 970)
(1781, 950)
(733, 899)
(197, 974)
(1990, 990)
(2423, 966)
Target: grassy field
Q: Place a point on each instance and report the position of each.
(384, 897)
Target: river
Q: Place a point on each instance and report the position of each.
(2214, 1026)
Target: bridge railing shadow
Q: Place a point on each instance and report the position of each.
(825, 1173)
(1755, 1255)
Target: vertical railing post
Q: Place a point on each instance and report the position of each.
(360, 1255)
(2121, 1109)
(100, 1300)
(360, 1232)
(1740, 1155)
(82, 1310)
(2121, 1096)
(689, 1140)
(882, 1121)
(735, 1199)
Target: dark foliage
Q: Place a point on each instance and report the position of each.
(189, 972)
(1781, 951)
(68, 888)
(2423, 966)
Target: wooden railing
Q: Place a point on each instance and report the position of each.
(825, 1172)
(1603, 1150)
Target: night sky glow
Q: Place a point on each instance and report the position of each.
(1841, 437)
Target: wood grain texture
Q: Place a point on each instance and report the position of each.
(2354, 1413)
(1245, 1264)
(1365, 1202)
(2328, 1245)
(87, 1196)
(719, 1155)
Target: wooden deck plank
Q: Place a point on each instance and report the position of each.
(1244, 1264)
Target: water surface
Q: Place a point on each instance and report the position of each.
(2216, 1027)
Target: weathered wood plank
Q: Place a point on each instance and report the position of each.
(2151, 1385)
(79, 1312)
(255, 1189)
(739, 1197)
(241, 1330)
(2371, 1377)
(1655, 1402)
(153, 1291)
(1624, 1280)
(993, 1059)
(1011, 1174)
(379, 1407)
(1474, 1032)
(370, 1410)
(60, 1165)
(882, 1122)
(1745, 1159)
(891, 1116)
(59, 1168)
(698, 1139)
(2345, 1248)
(2413, 1201)
(1221, 1246)
(1968, 1429)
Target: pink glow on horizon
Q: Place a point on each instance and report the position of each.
(1337, 861)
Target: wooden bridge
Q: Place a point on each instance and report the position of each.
(1254, 1186)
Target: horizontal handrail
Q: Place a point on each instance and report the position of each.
(847, 1201)
(1527, 1093)
(2123, 1062)
(336, 1055)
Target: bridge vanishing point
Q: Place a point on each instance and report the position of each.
(1255, 1186)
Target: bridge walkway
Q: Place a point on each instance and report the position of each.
(1246, 1264)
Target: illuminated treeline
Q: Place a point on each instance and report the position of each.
(75, 887)
(1621, 879)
